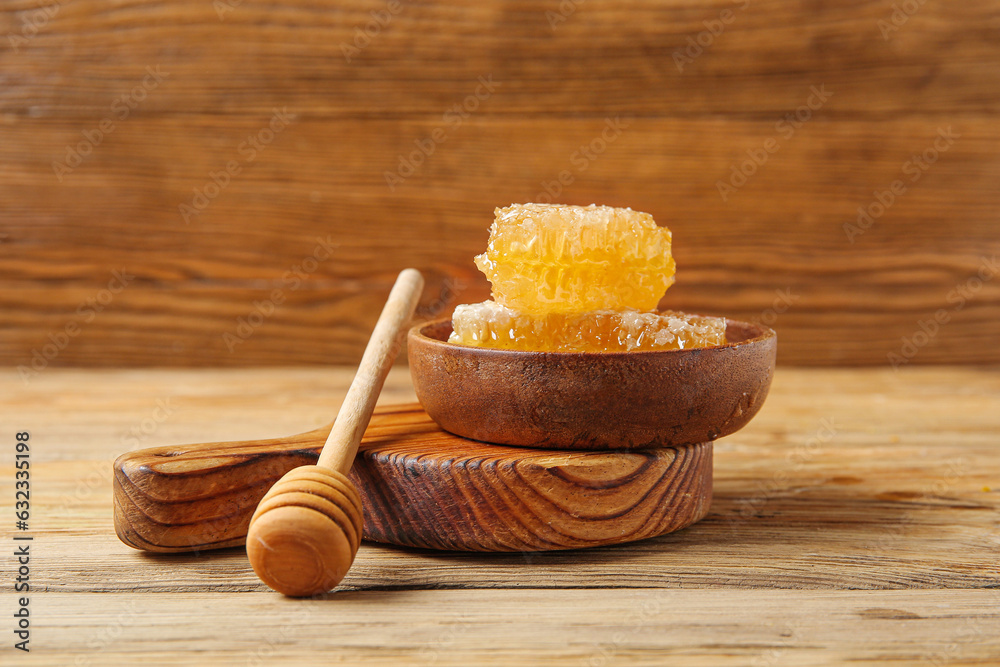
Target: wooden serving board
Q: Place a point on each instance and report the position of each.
(421, 487)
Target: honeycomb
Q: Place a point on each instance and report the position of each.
(489, 324)
(579, 279)
(550, 258)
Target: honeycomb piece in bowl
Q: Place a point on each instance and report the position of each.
(552, 258)
(490, 324)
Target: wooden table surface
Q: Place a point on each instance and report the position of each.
(856, 518)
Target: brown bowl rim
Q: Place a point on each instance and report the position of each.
(417, 331)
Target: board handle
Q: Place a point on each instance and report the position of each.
(200, 497)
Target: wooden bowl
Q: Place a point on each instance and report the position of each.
(584, 400)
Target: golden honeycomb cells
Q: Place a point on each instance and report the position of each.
(489, 324)
(551, 258)
(579, 279)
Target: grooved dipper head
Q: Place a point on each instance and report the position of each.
(306, 531)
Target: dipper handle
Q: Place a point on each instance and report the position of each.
(307, 528)
(356, 411)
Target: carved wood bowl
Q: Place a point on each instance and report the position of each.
(590, 400)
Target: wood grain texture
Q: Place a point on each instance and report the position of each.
(428, 54)
(434, 490)
(324, 174)
(200, 497)
(305, 532)
(848, 483)
(420, 486)
(567, 628)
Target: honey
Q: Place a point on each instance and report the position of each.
(579, 279)
(489, 324)
(549, 258)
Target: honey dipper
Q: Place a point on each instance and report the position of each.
(306, 530)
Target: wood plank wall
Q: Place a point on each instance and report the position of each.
(115, 114)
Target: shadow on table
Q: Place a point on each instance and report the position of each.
(836, 534)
